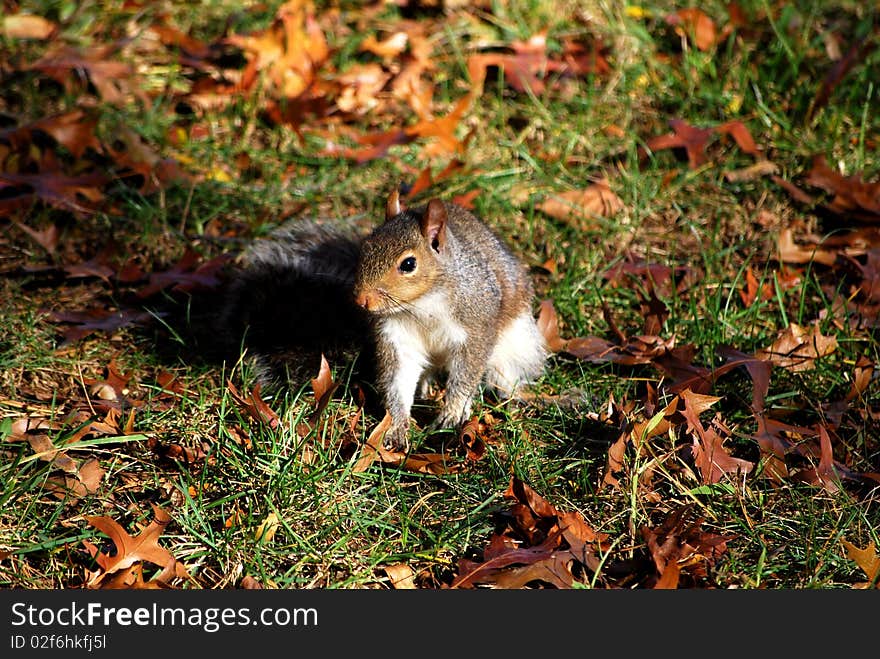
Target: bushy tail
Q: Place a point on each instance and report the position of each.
(287, 301)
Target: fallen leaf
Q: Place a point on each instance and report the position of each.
(133, 549)
(389, 47)
(797, 348)
(27, 26)
(548, 325)
(323, 386)
(401, 576)
(80, 194)
(250, 583)
(695, 24)
(46, 238)
(111, 78)
(187, 275)
(255, 406)
(370, 450)
(265, 531)
(43, 448)
(84, 323)
(790, 252)
(581, 208)
(867, 559)
(471, 437)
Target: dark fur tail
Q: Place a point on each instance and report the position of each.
(287, 301)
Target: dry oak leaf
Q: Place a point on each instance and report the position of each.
(81, 194)
(867, 559)
(133, 549)
(423, 463)
(797, 348)
(582, 207)
(66, 64)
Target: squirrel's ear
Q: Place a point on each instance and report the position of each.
(434, 224)
(392, 206)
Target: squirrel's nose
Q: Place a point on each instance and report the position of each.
(362, 300)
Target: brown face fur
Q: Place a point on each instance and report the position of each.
(387, 281)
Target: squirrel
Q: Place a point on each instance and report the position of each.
(446, 296)
(430, 291)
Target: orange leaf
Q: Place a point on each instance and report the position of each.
(133, 549)
(695, 24)
(867, 559)
(582, 207)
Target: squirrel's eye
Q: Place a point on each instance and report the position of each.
(408, 264)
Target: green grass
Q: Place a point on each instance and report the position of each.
(339, 528)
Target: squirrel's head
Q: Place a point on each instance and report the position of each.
(401, 259)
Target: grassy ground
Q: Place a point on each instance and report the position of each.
(196, 452)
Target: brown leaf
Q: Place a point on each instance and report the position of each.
(130, 578)
(852, 195)
(250, 583)
(80, 194)
(695, 24)
(682, 547)
(867, 559)
(548, 325)
(421, 463)
(27, 26)
(133, 549)
(90, 474)
(797, 348)
(323, 386)
(401, 576)
(791, 252)
(741, 135)
(370, 451)
(522, 492)
(523, 69)
(187, 275)
(255, 406)
(582, 207)
(67, 65)
(824, 474)
(43, 447)
(471, 437)
(710, 456)
(694, 140)
(46, 238)
(84, 323)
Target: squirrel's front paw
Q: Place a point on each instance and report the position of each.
(397, 438)
(451, 418)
